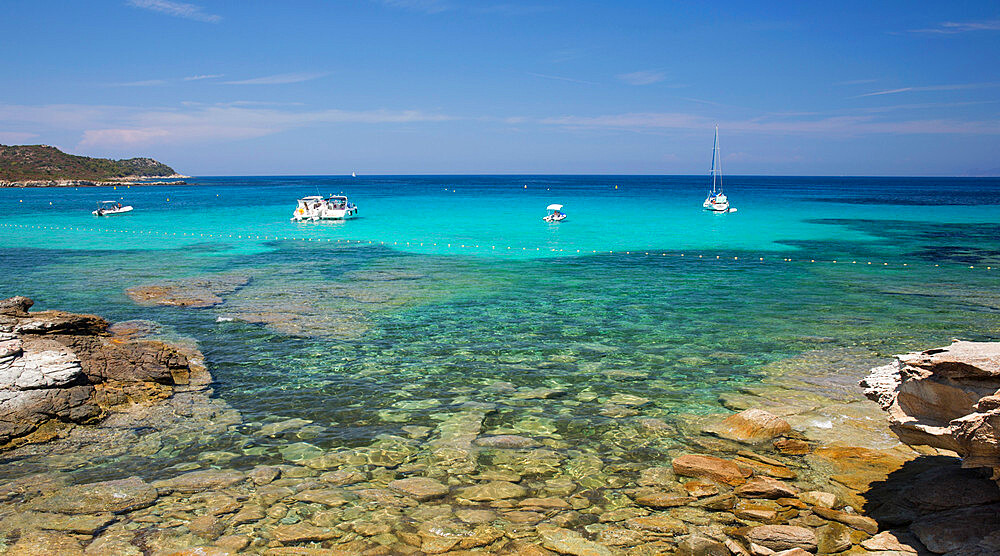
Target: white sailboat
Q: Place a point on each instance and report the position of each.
(354, 174)
(717, 201)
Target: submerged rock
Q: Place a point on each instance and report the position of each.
(751, 426)
(711, 467)
(199, 291)
(119, 496)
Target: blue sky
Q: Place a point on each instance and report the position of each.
(508, 86)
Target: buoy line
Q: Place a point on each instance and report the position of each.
(493, 248)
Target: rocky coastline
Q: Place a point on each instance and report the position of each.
(175, 179)
(803, 465)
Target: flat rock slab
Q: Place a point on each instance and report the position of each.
(327, 496)
(197, 481)
(783, 537)
(766, 487)
(710, 467)
(751, 426)
(420, 488)
(119, 496)
(300, 532)
(565, 541)
(494, 490)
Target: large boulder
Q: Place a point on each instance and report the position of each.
(750, 426)
(711, 467)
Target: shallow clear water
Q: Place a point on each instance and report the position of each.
(451, 285)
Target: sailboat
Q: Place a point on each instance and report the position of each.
(717, 200)
(354, 174)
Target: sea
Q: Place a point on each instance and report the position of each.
(451, 290)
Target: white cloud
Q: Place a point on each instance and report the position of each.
(953, 27)
(176, 9)
(200, 77)
(930, 88)
(280, 79)
(642, 77)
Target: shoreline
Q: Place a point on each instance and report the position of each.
(126, 180)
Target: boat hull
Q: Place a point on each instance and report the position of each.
(113, 212)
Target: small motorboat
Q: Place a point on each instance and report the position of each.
(308, 208)
(111, 208)
(555, 213)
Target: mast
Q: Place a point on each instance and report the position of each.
(718, 155)
(715, 156)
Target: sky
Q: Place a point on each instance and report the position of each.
(307, 87)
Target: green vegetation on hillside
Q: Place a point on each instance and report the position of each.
(42, 162)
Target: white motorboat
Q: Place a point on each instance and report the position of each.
(111, 208)
(555, 213)
(308, 208)
(717, 200)
(315, 207)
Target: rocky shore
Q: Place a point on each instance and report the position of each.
(176, 179)
(803, 465)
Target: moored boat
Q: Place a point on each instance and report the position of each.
(111, 208)
(315, 207)
(555, 213)
(717, 201)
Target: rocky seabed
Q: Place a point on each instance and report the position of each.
(756, 482)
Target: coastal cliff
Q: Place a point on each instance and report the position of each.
(59, 369)
(44, 165)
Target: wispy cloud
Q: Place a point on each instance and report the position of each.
(642, 77)
(850, 125)
(561, 78)
(200, 77)
(280, 79)
(11, 137)
(954, 27)
(957, 87)
(124, 126)
(176, 9)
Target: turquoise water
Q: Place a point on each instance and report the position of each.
(448, 290)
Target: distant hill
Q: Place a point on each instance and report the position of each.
(42, 162)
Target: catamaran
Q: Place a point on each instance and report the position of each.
(111, 208)
(717, 200)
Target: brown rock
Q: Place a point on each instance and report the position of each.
(862, 523)
(565, 541)
(751, 426)
(832, 538)
(508, 441)
(710, 467)
(887, 541)
(755, 512)
(494, 490)
(197, 481)
(783, 537)
(206, 526)
(327, 496)
(700, 489)
(724, 501)
(264, 474)
(946, 531)
(300, 532)
(44, 543)
(420, 488)
(118, 496)
(819, 498)
(658, 524)
(765, 487)
(792, 446)
(662, 500)
(547, 503)
(697, 545)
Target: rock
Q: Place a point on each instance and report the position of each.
(783, 537)
(766, 487)
(264, 474)
(332, 497)
(197, 481)
(662, 500)
(946, 531)
(84, 524)
(301, 532)
(46, 543)
(657, 477)
(341, 477)
(697, 545)
(118, 496)
(819, 498)
(700, 489)
(506, 441)
(658, 524)
(565, 541)
(206, 526)
(933, 398)
(420, 489)
(887, 541)
(546, 503)
(750, 426)
(755, 512)
(494, 490)
(710, 467)
(792, 446)
(833, 537)
(943, 488)
(859, 522)
(16, 306)
(199, 292)
(724, 501)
